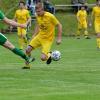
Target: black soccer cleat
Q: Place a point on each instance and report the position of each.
(78, 37)
(49, 60)
(25, 67)
(87, 38)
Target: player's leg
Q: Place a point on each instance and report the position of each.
(86, 35)
(46, 55)
(25, 36)
(97, 30)
(34, 43)
(28, 50)
(5, 43)
(23, 41)
(20, 39)
(15, 50)
(28, 53)
(79, 31)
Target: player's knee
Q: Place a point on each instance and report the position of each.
(43, 57)
(28, 50)
(98, 35)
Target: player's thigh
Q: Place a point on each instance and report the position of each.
(3, 39)
(97, 27)
(8, 45)
(46, 46)
(21, 32)
(84, 25)
(79, 26)
(24, 32)
(35, 43)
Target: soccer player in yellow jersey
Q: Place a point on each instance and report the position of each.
(7, 44)
(82, 22)
(96, 18)
(22, 16)
(44, 33)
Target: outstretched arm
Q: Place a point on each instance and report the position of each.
(13, 23)
(59, 37)
(36, 30)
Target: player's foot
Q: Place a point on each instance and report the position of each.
(87, 38)
(98, 48)
(49, 60)
(78, 37)
(27, 66)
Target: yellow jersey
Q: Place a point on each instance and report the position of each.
(47, 24)
(82, 15)
(96, 14)
(22, 15)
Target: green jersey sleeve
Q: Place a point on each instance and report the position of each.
(1, 15)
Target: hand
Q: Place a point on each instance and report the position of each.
(58, 41)
(23, 25)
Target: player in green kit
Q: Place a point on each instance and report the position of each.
(7, 44)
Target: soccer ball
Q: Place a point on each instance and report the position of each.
(56, 55)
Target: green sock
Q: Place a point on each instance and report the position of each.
(20, 53)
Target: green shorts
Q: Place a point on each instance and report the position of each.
(3, 39)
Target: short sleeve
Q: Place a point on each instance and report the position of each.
(28, 14)
(54, 20)
(1, 15)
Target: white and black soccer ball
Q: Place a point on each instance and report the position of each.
(56, 55)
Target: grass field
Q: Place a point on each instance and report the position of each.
(75, 77)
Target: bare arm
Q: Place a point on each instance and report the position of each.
(28, 20)
(13, 23)
(36, 30)
(78, 19)
(91, 18)
(59, 36)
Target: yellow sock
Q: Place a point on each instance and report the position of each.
(86, 33)
(78, 33)
(98, 42)
(49, 54)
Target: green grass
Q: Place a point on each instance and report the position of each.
(74, 77)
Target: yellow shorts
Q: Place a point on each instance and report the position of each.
(21, 31)
(45, 44)
(97, 27)
(82, 25)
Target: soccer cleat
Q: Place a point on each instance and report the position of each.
(49, 60)
(27, 66)
(87, 38)
(78, 37)
(98, 48)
